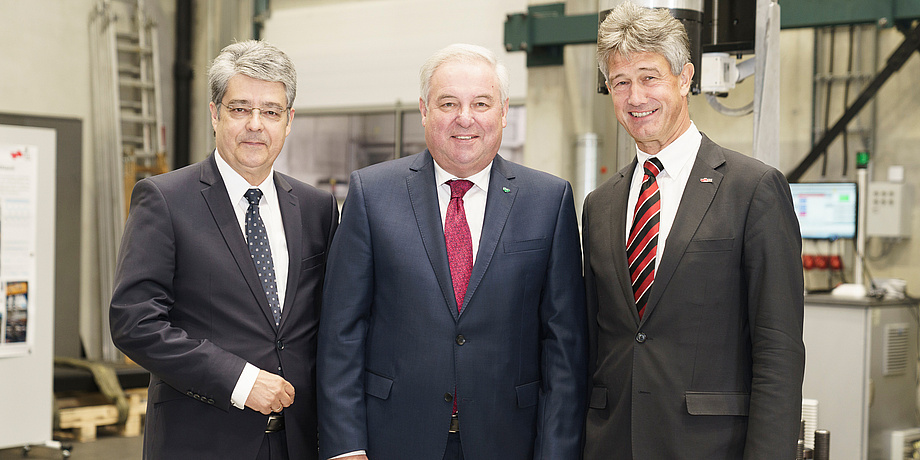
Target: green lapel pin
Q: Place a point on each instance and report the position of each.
(506, 189)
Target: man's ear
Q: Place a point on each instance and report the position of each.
(686, 77)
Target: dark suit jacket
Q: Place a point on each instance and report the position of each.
(393, 347)
(714, 368)
(189, 308)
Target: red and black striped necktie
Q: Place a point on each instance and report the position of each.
(642, 245)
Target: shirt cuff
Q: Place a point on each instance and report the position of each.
(348, 454)
(244, 386)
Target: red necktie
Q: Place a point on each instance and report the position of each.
(642, 245)
(459, 242)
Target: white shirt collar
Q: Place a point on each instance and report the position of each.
(674, 157)
(237, 186)
(480, 179)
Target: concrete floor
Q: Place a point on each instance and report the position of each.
(103, 448)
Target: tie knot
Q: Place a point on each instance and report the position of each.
(459, 187)
(253, 195)
(653, 165)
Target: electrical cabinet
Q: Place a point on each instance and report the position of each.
(861, 366)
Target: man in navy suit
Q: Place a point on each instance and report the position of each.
(228, 344)
(695, 312)
(454, 320)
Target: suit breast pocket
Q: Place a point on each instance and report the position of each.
(711, 245)
(537, 244)
(312, 261)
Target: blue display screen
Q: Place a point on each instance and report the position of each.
(826, 210)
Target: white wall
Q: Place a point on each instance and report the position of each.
(368, 53)
(44, 71)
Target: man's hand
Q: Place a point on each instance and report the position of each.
(270, 393)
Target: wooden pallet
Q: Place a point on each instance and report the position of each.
(84, 413)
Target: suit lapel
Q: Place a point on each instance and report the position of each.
(697, 197)
(614, 232)
(290, 215)
(423, 195)
(222, 211)
(500, 197)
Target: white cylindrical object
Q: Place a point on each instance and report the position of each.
(586, 156)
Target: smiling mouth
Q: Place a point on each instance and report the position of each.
(464, 138)
(642, 114)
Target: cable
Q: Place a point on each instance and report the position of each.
(846, 96)
(827, 99)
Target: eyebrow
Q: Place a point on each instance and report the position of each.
(269, 105)
(450, 96)
(640, 69)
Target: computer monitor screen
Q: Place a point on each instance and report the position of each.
(826, 210)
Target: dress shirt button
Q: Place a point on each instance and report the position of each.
(448, 397)
(640, 337)
(280, 344)
(461, 339)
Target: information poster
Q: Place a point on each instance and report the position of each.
(18, 196)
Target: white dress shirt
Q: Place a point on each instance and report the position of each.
(677, 158)
(270, 212)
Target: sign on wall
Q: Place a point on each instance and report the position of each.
(18, 170)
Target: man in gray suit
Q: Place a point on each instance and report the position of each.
(219, 280)
(453, 315)
(693, 274)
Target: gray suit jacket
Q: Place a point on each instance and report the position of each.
(188, 307)
(393, 348)
(714, 368)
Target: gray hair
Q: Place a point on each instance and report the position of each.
(254, 59)
(460, 52)
(630, 29)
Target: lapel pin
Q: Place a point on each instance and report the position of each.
(506, 189)
(706, 180)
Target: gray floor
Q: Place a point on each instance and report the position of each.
(105, 447)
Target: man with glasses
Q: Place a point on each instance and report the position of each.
(219, 280)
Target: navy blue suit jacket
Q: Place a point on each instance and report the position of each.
(393, 347)
(188, 306)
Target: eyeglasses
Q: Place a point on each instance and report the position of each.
(242, 112)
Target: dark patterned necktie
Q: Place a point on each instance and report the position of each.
(261, 252)
(459, 241)
(642, 245)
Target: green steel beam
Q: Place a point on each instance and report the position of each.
(820, 13)
(544, 30)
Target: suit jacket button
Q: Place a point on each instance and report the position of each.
(210, 401)
(448, 397)
(461, 339)
(640, 337)
(280, 344)
(189, 393)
